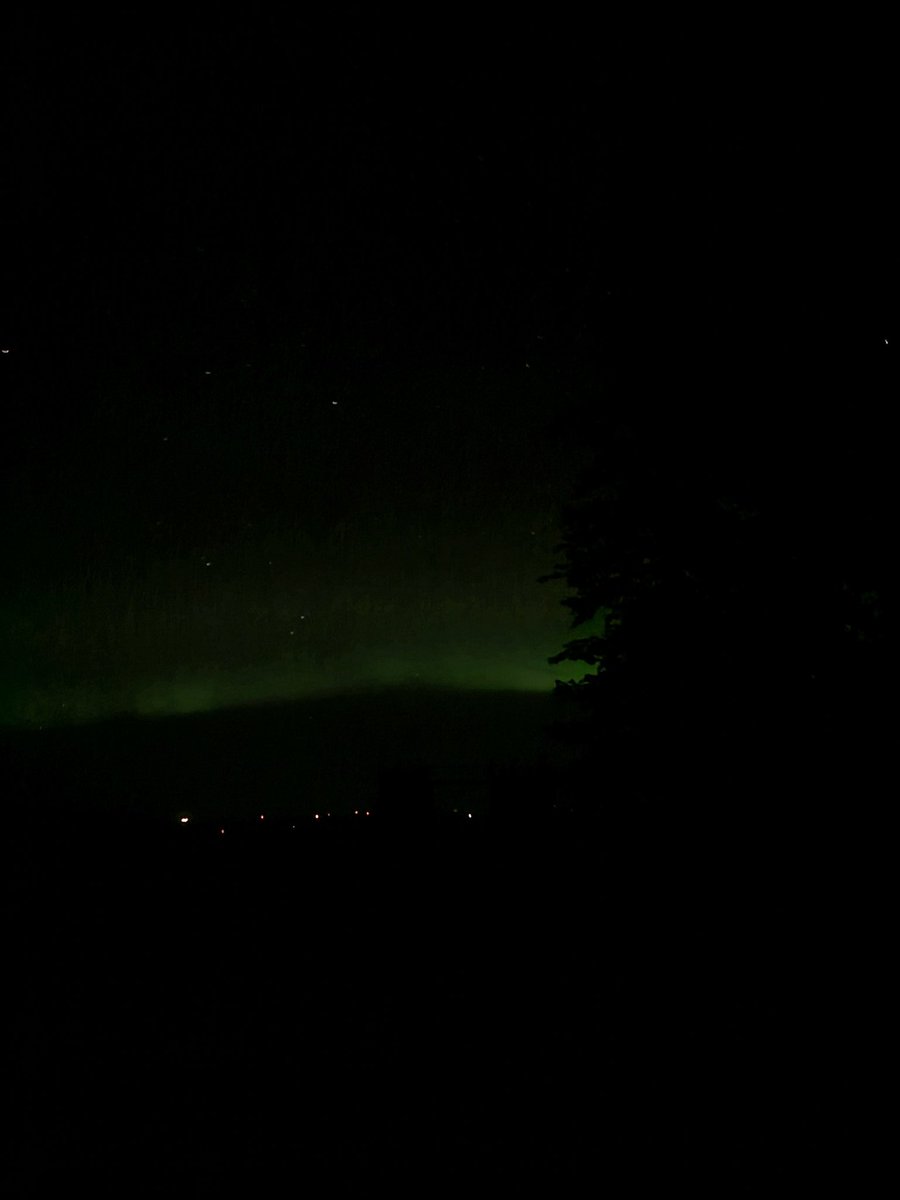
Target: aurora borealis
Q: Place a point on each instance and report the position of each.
(346, 357)
(291, 383)
(338, 583)
(303, 354)
(153, 644)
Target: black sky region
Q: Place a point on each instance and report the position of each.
(310, 327)
(307, 333)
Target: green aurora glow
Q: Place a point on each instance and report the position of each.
(184, 638)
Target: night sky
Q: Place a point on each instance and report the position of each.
(307, 332)
(311, 329)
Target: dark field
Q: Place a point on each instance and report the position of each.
(424, 1002)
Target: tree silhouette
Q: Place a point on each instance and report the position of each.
(733, 601)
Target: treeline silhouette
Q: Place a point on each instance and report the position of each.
(731, 550)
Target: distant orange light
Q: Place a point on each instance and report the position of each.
(184, 820)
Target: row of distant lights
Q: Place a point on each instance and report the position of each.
(357, 812)
(334, 403)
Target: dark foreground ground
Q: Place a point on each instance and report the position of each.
(462, 1005)
(636, 999)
